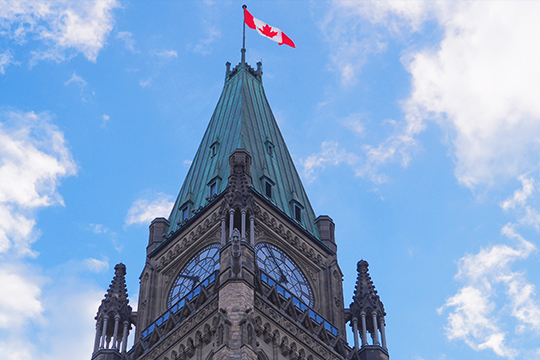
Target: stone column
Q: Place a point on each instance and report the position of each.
(383, 334)
(355, 331)
(243, 225)
(103, 331)
(98, 336)
(375, 330)
(115, 334)
(124, 336)
(364, 339)
(252, 230)
(231, 222)
(223, 230)
(235, 297)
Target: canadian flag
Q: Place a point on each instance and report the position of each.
(266, 30)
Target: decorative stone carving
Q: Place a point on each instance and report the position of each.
(279, 228)
(200, 231)
(248, 328)
(236, 254)
(223, 326)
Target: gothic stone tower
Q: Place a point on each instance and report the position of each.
(242, 269)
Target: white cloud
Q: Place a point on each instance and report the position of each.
(333, 154)
(524, 202)
(355, 122)
(56, 311)
(33, 159)
(69, 329)
(145, 83)
(6, 59)
(521, 195)
(65, 27)
(96, 265)
(128, 40)
(99, 229)
(204, 46)
(478, 83)
(106, 119)
(348, 30)
(167, 53)
(79, 82)
(475, 315)
(143, 211)
(19, 298)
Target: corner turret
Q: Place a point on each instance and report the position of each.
(367, 312)
(114, 319)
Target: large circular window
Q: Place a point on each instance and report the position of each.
(278, 265)
(199, 267)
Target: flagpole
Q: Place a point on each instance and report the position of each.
(244, 36)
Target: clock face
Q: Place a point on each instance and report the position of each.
(202, 265)
(276, 264)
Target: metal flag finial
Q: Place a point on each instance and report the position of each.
(244, 35)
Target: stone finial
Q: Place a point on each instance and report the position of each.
(114, 319)
(365, 296)
(116, 299)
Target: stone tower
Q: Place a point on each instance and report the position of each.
(242, 268)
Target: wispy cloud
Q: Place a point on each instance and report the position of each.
(59, 311)
(520, 196)
(6, 59)
(79, 82)
(331, 154)
(484, 96)
(95, 265)
(355, 122)
(20, 298)
(481, 97)
(66, 27)
(475, 315)
(145, 83)
(204, 46)
(143, 211)
(33, 158)
(348, 31)
(106, 118)
(479, 308)
(127, 38)
(167, 53)
(483, 100)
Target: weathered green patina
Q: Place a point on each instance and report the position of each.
(243, 120)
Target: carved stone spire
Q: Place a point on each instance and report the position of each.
(116, 299)
(365, 296)
(113, 319)
(367, 315)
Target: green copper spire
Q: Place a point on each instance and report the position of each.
(243, 120)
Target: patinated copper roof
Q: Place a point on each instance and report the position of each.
(243, 120)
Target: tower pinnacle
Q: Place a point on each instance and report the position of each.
(113, 314)
(367, 315)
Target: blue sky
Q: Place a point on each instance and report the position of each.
(414, 125)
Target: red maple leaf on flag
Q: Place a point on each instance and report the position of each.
(267, 31)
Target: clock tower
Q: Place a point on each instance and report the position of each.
(242, 268)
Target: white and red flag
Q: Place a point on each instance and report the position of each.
(266, 30)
